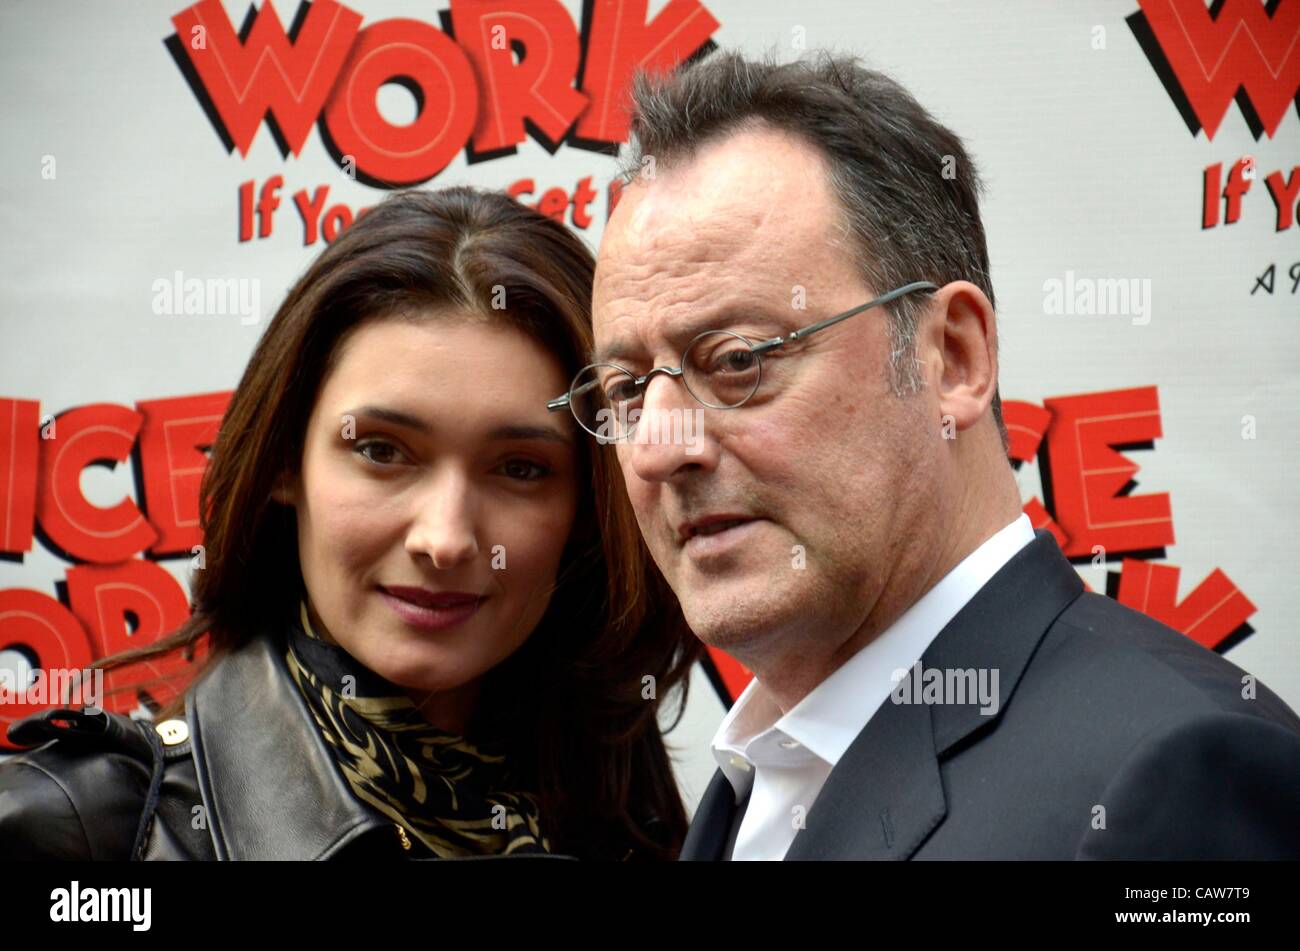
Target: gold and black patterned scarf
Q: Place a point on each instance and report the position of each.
(456, 797)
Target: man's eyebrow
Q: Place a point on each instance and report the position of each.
(681, 332)
(611, 352)
(722, 320)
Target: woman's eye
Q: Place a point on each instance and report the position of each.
(379, 452)
(525, 470)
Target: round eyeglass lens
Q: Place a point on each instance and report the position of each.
(605, 401)
(721, 369)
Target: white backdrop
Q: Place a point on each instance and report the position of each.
(114, 178)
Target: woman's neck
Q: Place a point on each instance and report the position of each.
(448, 710)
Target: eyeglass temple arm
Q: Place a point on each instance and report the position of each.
(799, 334)
(560, 402)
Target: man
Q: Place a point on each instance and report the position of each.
(849, 512)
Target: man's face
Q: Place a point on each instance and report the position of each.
(824, 469)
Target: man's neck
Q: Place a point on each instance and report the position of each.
(796, 667)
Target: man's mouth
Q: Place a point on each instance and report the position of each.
(714, 527)
(707, 526)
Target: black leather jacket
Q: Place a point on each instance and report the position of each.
(246, 775)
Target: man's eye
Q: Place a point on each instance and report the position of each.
(379, 452)
(622, 391)
(734, 361)
(525, 470)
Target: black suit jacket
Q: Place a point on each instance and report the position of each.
(1115, 737)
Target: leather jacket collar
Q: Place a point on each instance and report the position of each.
(269, 781)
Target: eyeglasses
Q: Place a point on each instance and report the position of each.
(721, 369)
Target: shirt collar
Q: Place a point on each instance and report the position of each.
(828, 719)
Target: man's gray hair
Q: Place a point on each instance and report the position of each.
(908, 191)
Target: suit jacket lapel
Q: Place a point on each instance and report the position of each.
(999, 629)
(885, 795)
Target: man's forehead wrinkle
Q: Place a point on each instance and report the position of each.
(673, 273)
(648, 297)
(696, 249)
(711, 209)
(676, 253)
(690, 232)
(710, 237)
(646, 308)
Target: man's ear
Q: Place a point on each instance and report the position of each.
(963, 341)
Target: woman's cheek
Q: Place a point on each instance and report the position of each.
(340, 519)
(534, 545)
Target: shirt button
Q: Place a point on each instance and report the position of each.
(789, 744)
(740, 763)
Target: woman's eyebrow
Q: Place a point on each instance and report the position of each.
(546, 433)
(395, 416)
(509, 432)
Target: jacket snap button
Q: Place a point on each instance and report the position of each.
(173, 732)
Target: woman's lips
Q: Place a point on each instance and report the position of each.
(430, 611)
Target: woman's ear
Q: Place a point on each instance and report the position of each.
(285, 491)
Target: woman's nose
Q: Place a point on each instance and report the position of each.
(443, 524)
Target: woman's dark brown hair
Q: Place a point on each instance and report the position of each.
(572, 704)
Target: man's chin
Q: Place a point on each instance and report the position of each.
(733, 614)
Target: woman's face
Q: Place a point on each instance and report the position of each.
(434, 501)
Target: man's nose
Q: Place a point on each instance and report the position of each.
(444, 522)
(671, 439)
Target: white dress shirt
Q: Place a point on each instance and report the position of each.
(782, 761)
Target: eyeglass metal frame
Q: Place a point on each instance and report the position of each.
(758, 349)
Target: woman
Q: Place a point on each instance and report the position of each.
(431, 628)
